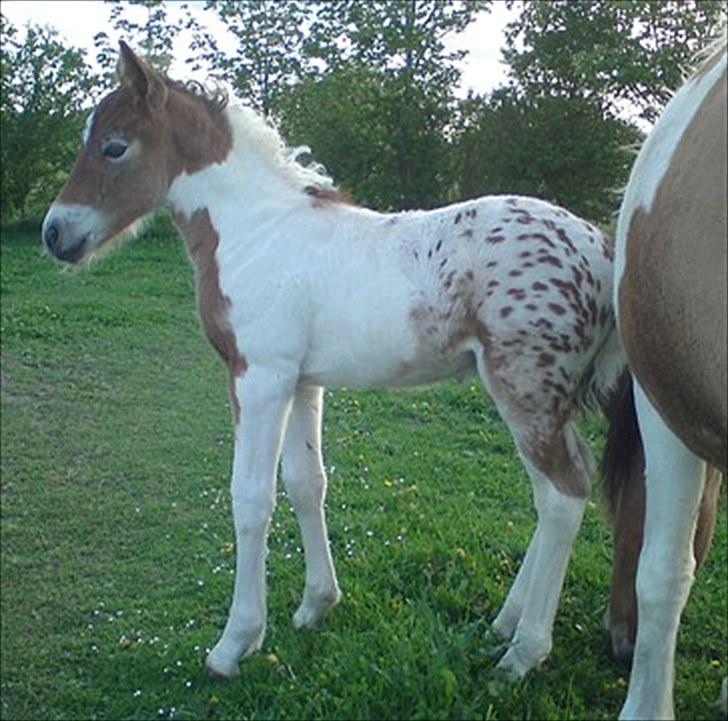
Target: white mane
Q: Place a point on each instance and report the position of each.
(262, 134)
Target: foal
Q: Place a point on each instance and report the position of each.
(297, 291)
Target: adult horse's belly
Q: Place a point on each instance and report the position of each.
(672, 293)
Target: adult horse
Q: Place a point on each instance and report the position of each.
(297, 290)
(670, 300)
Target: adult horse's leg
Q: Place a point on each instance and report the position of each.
(628, 524)
(531, 605)
(265, 401)
(623, 468)
(305, 478)
(674, 483)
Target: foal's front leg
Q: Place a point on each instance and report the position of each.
(265, 401)
(305, 478)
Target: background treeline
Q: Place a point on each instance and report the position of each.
(370, 87)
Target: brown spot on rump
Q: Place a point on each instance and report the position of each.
(672, 295)
(524, 217)
(564, 238)
(213, 306)
(551, 261)
(545, 359)
(495, 238)
(458, 218)
(505, 312)
(468, 233)
(538, 285)
(556, 308)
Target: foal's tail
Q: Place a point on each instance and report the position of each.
(604, 369)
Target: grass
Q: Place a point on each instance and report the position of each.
(117, 536)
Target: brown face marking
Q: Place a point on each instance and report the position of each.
(169, 130)
(556, 308)
(213, 306)
(673, 290)
(505, 312)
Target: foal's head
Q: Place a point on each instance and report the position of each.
(139, 138)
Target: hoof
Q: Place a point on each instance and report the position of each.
(217, 676)
(311, 613)
(622, 644)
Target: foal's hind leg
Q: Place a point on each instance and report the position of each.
(561, 462)
(305, 478)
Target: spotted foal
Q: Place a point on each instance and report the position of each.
(298, 290)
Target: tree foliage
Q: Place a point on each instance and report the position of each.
(371, 88)
(153, 35)
(612, 53)
(562, 150)
(44, 85)
(268, 56)
(379, 113)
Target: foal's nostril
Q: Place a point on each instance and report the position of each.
(52, 236)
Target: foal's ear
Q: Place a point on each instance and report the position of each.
(136, 74)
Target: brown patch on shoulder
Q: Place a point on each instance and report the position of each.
(672, 295)
(213, 306)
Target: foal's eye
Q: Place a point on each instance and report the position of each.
(113, 149)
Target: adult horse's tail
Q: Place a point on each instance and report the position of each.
(623, 485)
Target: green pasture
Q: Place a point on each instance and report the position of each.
(117, 553)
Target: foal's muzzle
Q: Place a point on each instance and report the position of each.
(68, 231)
(68, 253)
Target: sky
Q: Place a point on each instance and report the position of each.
(79, 20)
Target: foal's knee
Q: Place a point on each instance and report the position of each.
(252, 513)
(306, 486)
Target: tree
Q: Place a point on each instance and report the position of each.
(268, 58)
(610, 53)
(562, 150)
(387, 87)
(153, 36)
(44, 86)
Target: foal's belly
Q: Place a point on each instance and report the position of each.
(368, 365)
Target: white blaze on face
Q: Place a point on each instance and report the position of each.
(87, 128)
